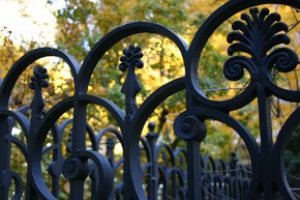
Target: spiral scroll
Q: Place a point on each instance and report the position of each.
(256, 36)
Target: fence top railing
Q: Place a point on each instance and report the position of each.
(258, 45)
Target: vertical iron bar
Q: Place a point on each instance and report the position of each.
(194, 170)
(5, 149)
(265, 125)
(153, 182)
(78, 142)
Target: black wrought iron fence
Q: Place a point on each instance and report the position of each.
(258, 45)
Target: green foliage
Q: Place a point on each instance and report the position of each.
(291, 157)
(81, 23)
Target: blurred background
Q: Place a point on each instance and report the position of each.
(75, 26)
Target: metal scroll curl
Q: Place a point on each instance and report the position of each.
(284, 60)
(270, 33)
(258, 45)
(255, 38)
(207, 113)
(189, 127)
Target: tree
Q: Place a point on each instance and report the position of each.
(81, 23)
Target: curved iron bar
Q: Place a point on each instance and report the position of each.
(18, 185)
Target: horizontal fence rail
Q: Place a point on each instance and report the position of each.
(258, 45)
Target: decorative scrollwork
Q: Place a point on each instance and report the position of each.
(234, 67)
(256, 36)
(189, 127)
(75, 168)
(39, 79)
(255, 40)
(283, 59)
(131, 59)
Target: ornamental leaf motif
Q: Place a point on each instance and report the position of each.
(39, 80)
(129, 61)
(255, 37)
(131, 58)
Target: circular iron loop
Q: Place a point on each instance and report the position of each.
(75, 168)
(189, 127)
(199, 42)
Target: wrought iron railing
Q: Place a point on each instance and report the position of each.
(257, 45)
